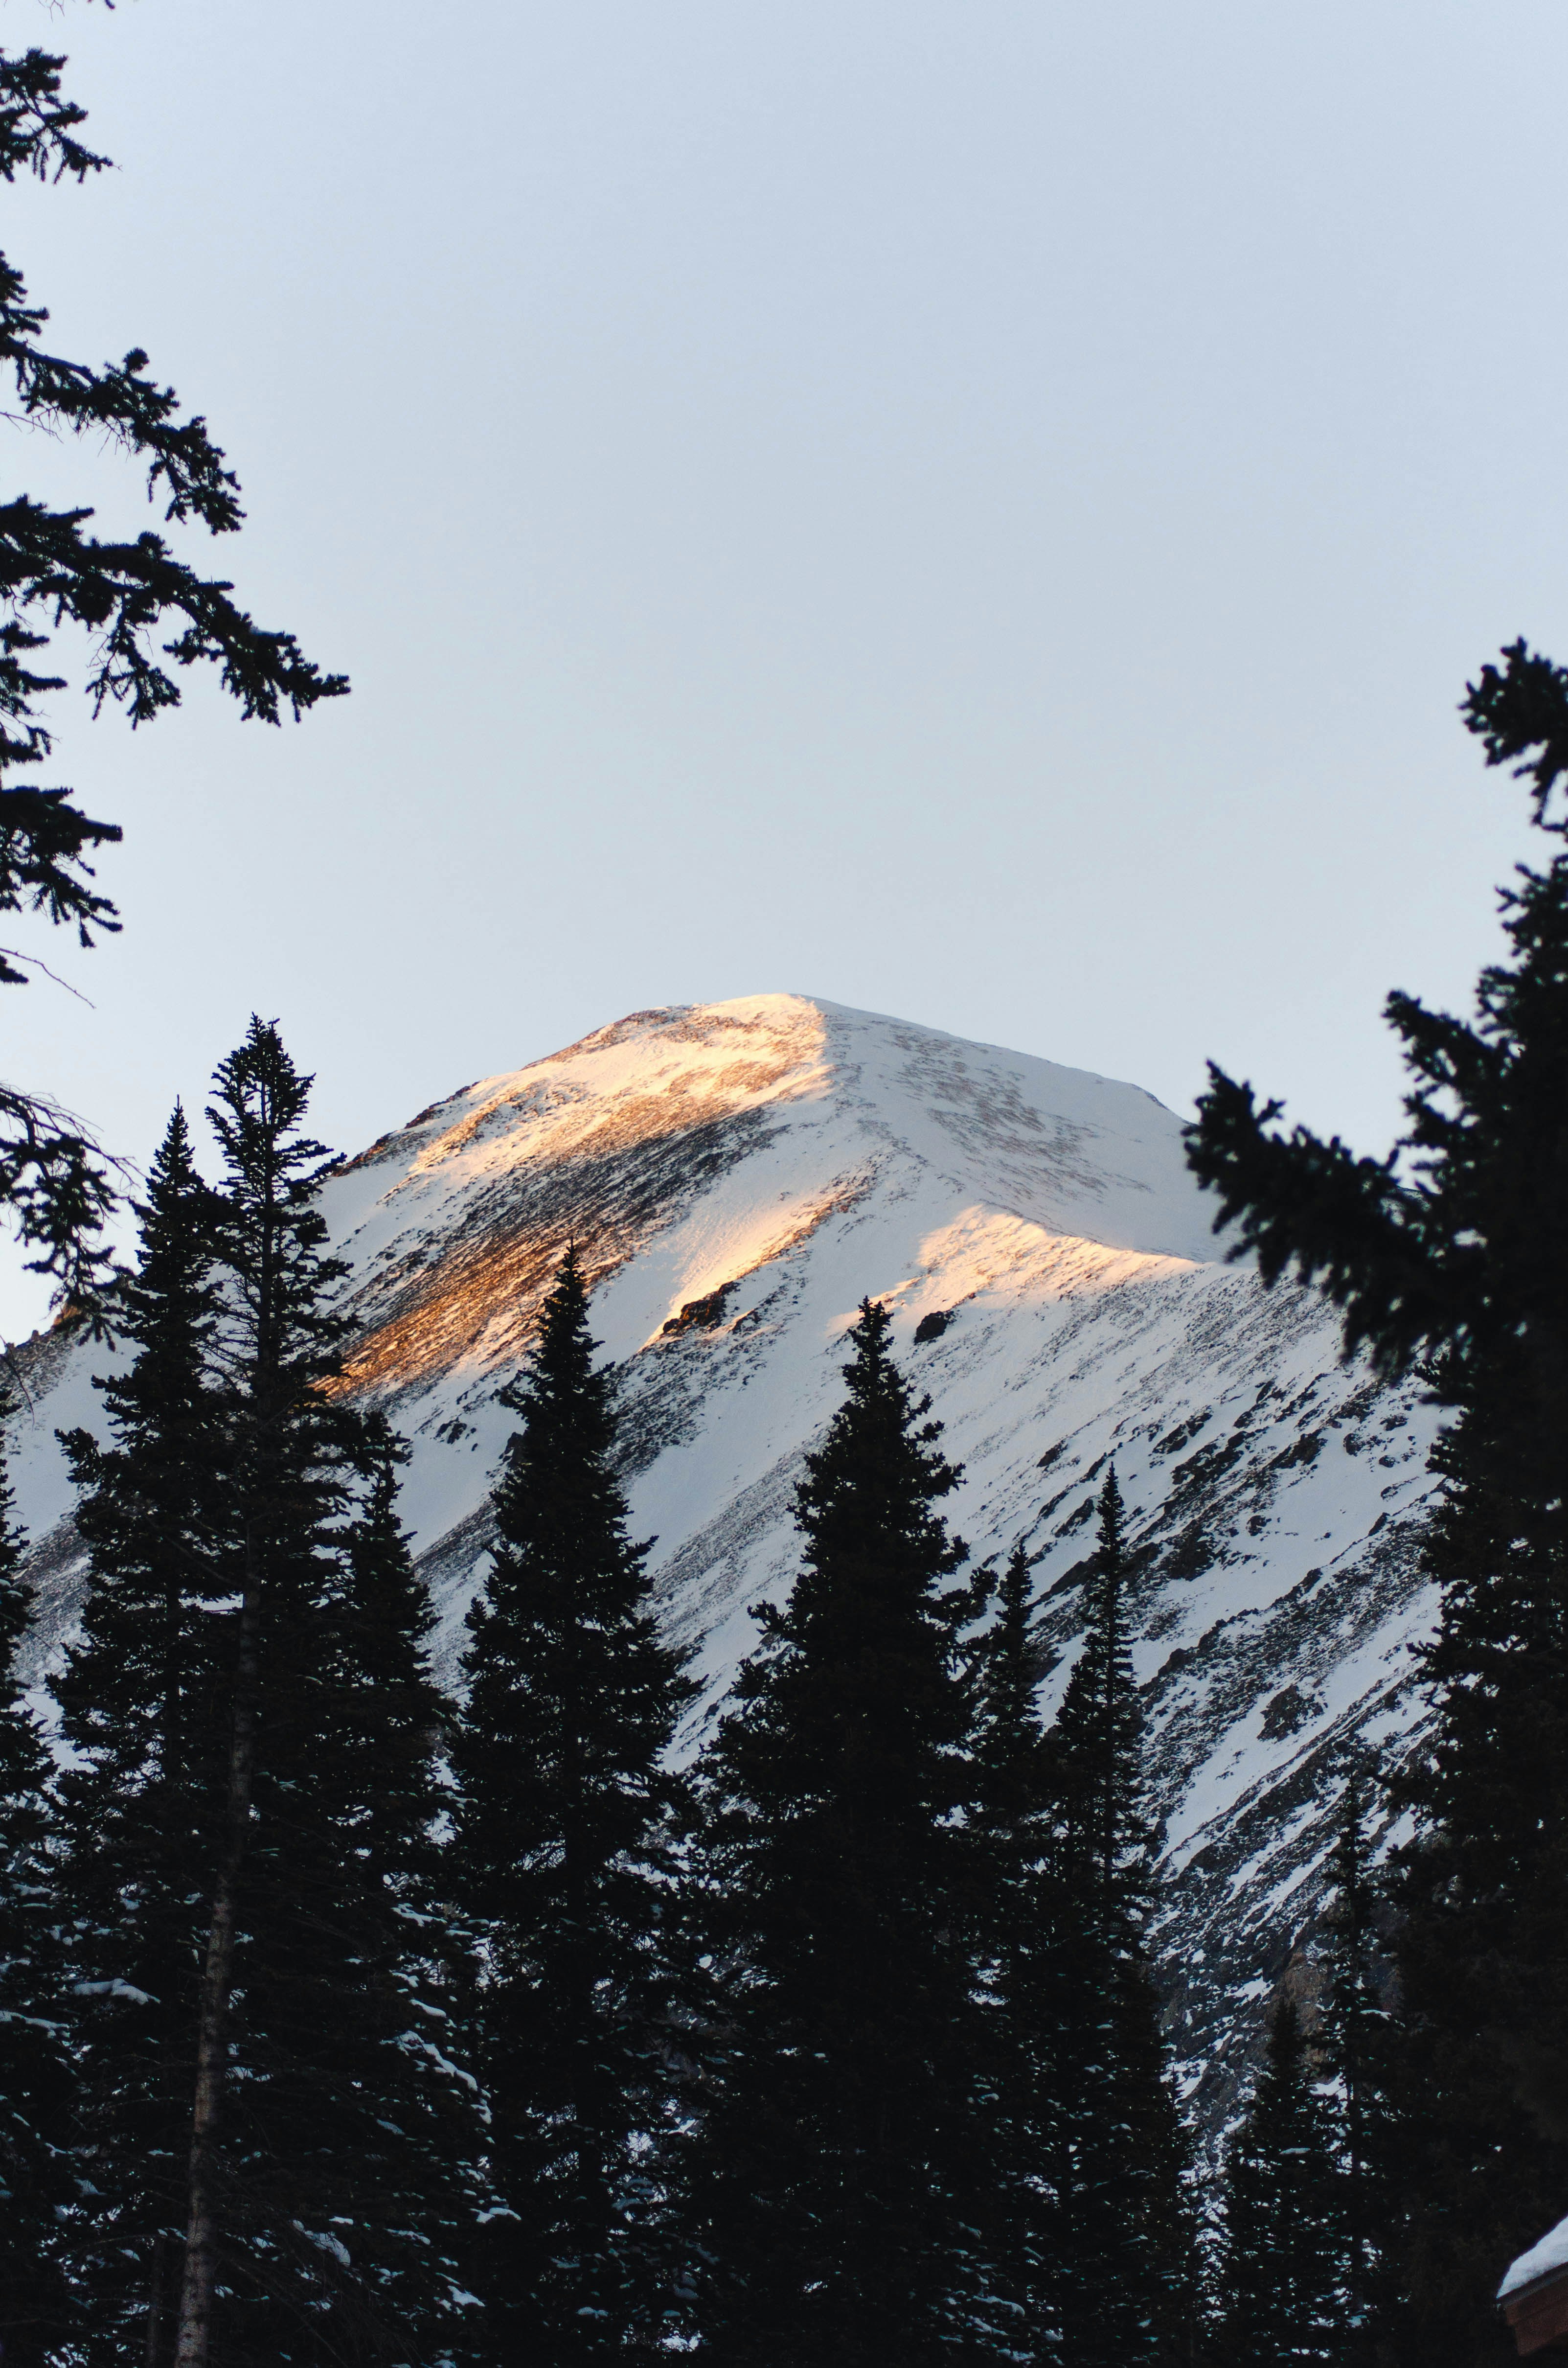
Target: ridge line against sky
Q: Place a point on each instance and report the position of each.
(989, 513)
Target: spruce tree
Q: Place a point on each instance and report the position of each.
(835, 2183)
(564, 1825)
(142, 1702)
(1280, 2297)
(1125, 2236)
(38, 2128)
(398, 2182)
(327, 2137)
(1359, 2043)
(1452, 1253)
(1012, 1827)
(1481, 1946)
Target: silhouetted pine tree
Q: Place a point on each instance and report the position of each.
(1125, 2235)
(1483, 1944)
(406, 2147)
(36, 2120)
(1280, 2297)
(565, 1822)
(1453, 1250)
(835, 2184)
(1012, 1827)
(326, 2157)
(144, 1704)
(1359, 2043)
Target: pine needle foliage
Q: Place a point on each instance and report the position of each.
(330, 2122)
(1452, 1253)
(1359, 2040)
(564, 1828)
(142, 1702)
(1013, 1829)
(276, 2137)
(1483, 1944)
(1125, 2238)
(148, 616)
(835, 2184)
(37, 2093)
(1280, 2293)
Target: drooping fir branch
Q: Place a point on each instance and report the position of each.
(148, 616)
(37, 126)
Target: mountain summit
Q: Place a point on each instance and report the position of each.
(737, 1177)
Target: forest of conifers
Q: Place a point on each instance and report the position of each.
(343, 2019)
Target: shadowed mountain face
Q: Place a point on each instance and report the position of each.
(737, 1177)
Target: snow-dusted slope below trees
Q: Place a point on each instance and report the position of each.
(737, 1177)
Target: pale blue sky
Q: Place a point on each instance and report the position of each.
(981, 512)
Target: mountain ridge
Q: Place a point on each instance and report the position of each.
(737, 1178)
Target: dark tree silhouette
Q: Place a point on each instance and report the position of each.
(836, 2179)
(562, 1857)
(123, 594)
(1453, 1254)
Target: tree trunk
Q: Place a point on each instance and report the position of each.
(217, 1984)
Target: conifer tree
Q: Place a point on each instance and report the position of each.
(37, 2101)
(1012, 1826)
(326, 2153)
(1452, 1251)
(1125, 2236)
(1358, 2042)
(392, 1717)
(1280, 2298)
(564, 1823)
(147, 616)
(835, 2184)
(142, 1701)
(400, 2174)
(1482, 1944)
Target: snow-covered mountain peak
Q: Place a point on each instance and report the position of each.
(737, 1178)
(815, 1103)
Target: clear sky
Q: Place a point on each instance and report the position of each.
(978, 511)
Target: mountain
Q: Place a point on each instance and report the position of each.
(738, 1176)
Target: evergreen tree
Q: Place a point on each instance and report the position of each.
(1358, 2042)
(1124, 2230)
(325, 2151)
(1481, 1947)
(565, 1822)
(37, 2125)
(835, 2178)
(148, 616)
(1452, 1250)
(401, 2172)
(1280, 2298)
(392, 1717)
(1012, 1824)
(143, 1700)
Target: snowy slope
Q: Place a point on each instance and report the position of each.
(737, 1177)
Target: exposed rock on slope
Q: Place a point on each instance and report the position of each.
(738, 1176)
